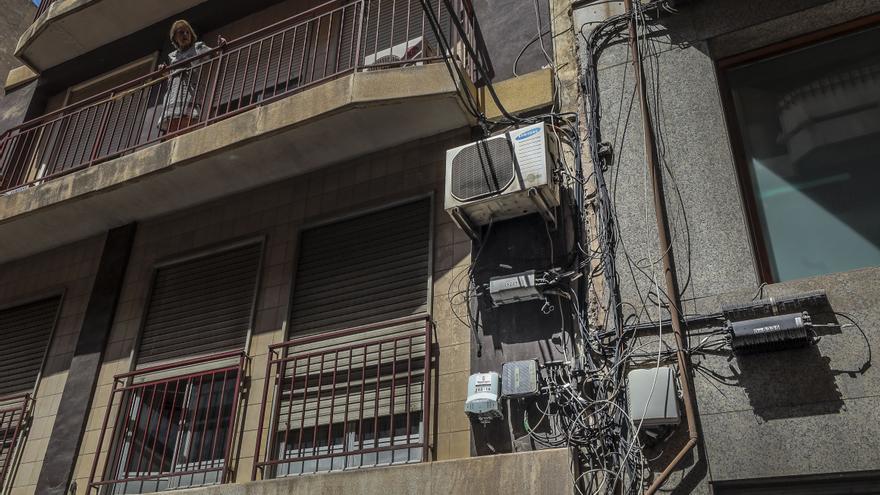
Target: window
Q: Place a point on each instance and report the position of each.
(808, 126)
(173, 417)
(856, 483)
(25, 333)
(201, 305)
(102, 83)
(367, 269)
(175, 433)
(355, 376)
(14, 414)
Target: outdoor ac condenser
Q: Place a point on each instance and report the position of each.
(502, 177)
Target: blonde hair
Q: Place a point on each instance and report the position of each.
(180, 23)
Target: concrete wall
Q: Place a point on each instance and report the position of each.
(17, 16)
(507, 27)
(546, 472)
(70, 269)
(780, 414)
(278, 212)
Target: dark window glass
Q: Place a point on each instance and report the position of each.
(855, 483)
(175, 434)
(810, 125)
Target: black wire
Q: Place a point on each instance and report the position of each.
(526, 47)
(853, 321)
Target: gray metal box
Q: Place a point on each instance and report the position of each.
(513, 288)
(653, 400)
(519, 379)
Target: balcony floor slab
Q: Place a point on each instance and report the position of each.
(66, 29)
(526, 473)
(351, 116)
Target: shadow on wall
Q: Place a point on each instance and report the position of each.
(793, 382)
(780, 384)
(520, 331)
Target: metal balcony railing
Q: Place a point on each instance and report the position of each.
(170, 426)
(312, 47)
(14, 416)
(347, 399)
(43, 6)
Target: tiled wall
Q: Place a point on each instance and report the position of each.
(278, 212)
(70, 269)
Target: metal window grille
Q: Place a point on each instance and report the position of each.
(14, 416)
(363, 400)
(170, 426)
(43, 6)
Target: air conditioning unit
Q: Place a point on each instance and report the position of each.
(502, 177)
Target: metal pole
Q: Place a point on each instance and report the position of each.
(672, 292)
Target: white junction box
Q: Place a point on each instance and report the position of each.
(653, 400)
(482, 402)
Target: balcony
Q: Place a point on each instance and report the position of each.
(330, 84)
(14, 418)
(346, 400)
(65, 29)
(341, 400)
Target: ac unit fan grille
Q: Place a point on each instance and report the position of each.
(484, 169)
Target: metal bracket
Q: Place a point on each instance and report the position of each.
(542, 206)
(464, 223)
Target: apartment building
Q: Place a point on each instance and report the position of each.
(292, 262)
(232, 271)
(764, 124)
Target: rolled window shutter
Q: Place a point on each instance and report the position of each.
(352, 393)
(25, 331)
(395, 26)
(98, 125)
(364, 270)
(368, 269)
(307, 51)
(201, 306)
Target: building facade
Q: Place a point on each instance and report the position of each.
(754, 108)
(234, 273)
(258, 291)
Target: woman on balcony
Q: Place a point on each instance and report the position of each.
(180, 108)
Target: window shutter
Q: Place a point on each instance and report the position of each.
(354, 393)
(260, 70)
(395, 27)
(100, 124)
(299, 54)
(24, 337)
(201, 306)
(364, 270)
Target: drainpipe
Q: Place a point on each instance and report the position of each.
(672, 292)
